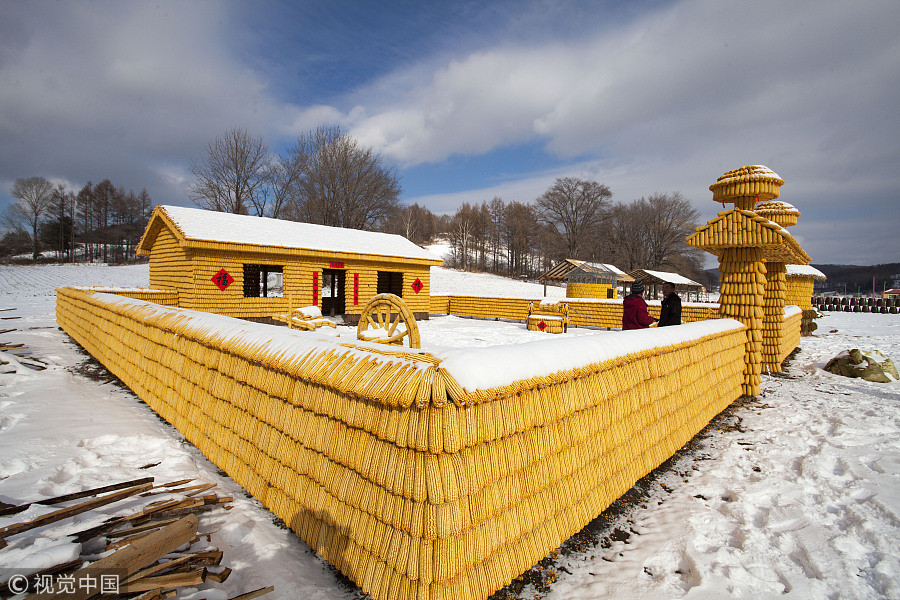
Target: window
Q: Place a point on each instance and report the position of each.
(390, 282)
(263, 281)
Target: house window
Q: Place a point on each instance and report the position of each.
(390, 282)
(263, 281)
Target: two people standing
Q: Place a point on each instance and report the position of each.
(634, 309)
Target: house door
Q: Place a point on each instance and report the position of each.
(333, 292)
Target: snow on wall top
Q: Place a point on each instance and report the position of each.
(804, 270)
(496, 366)
(671, 277)
(212, 226)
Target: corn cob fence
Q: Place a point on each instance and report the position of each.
(399, 468)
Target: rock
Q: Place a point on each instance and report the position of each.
(870, 365)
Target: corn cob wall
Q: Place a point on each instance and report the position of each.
(799, 291)
(582, 312)
(162, 297)
(773, 317)
(170, 264)
(440, 305)
(792, 329)
(410, 485)
(576, 289)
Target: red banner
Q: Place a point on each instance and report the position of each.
(315, 288)
(355, 289)
(336, 265)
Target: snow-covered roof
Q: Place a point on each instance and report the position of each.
(804, 271)
(610, 267)
(671, 277)
(197, 225)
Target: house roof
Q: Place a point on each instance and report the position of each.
(743, 228)
(660, 277)
(199, 228)
(804, 271)
(561, 271)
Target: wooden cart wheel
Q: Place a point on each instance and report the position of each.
(387, 320)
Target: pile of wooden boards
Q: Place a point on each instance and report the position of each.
(148, 551)
(21, 352)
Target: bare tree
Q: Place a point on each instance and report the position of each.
(35, 197)
(649, 233)
(232, 177)
(462, 227)
(282, 178)
(573, 209)
(342, 184)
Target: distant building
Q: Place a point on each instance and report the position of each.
(560, 273)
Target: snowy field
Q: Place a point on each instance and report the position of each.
(795, 494)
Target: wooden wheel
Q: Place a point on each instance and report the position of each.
(387, 320)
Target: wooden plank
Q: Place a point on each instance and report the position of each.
(219, 577)
(77, 495)
(168, 581)
(139, 529)
(160, 567)
(255, 593)
(133, 557)
(71, 511)
(2, 331)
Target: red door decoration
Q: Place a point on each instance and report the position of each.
(542, 326)
(355, 289)
(336, 265)
(222, 279)
(315, 288)
(417, 285)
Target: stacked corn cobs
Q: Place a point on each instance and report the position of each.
(746, 186)
(799, 291)
(780, 212)
(773, 316)
(362, 454)
(742, 297)
(732, 231)
(575, 289)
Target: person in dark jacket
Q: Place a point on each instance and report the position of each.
(670, 313)
(634, 309)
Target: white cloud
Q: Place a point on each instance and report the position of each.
(122, 90)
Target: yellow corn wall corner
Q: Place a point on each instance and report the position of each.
(412, 487)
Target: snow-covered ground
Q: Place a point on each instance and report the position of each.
(794, 494)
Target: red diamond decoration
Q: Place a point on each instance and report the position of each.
(542, 326)
(417, 285)
(222, 279)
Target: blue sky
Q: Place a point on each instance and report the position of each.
(473, 100)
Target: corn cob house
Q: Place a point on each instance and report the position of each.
(254, 267)
(752, 252)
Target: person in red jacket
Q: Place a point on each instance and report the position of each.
(634, 309)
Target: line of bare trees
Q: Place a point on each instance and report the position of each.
(99, 222)
(575, 218)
